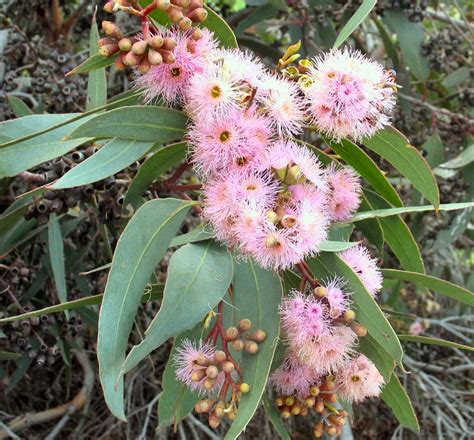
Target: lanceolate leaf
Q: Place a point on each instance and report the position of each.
(94, 62)
(110, 159)
(398, 236)
(366, 167)
(336, 246)
(434, 341)
(138, 122)
(394, 147)
(379, 213)
(374, 351)
(221, 29)
(199, 275)
(177, 400)
(368, 312)
(371, 228)
(275, 418)
(56, 255)
(97, 82)
(140, 247)
(152, 169)
(257, 294)
(441, 286)
(18, 106)
(354, 22)
(199, 233)
(395, 396)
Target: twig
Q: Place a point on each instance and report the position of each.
(149, 407)
(202, 427)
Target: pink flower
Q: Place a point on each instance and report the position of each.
(345, 192)
(294, 378)
(362, 263)
(191, 362)
(241, 66)
(416, 328)
(281, 102)
(328, 352)
(170, 81)
(212, 93)
(300, 164)
(358, 379)
(236, 140)
(350, 95)
(337, 297)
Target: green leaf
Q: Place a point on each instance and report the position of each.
(199, 233)
(398, 236)
(257, 296)
(258, 15)
(56, 256)
(359, 16)
(155, 292)
(18, 106)
(367, 168)
(221, 29)
(395, 396)
(199, 275)
(461, 160)
(388, 43)
(434, 341)
(9, 356)
(458, 226)
(97, 82)
(177, 400)
(152, 169)
(411, 37)
(110, 159)
(368, 312)
(141, 246)
(390, 144)
(138, 122)
(275, 418)
(374, 351)
(441, 286)
(371, 228)
(434, 148)
(457, 77)
(379, 213)
(94, 62)
(335, 246)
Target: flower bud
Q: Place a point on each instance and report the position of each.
(232, 333)
(231, 415)
(219, 356)
(209, 384)
(156, 42)
(295, 175)
(331, 430)
(130, 59)
(169, 44)
(251, 347)
(214, 421)
(197, 34)
(296, 409)
(285, 412)
(349, 315)
(168, 57)
(212, 371)
(175, 14)
(279, 401)
(198, 15)
(119, 64)
(154, 57)
(359, 329)
(109, 7)
(194, 4)
(244, 388)
(245, 325)
(238, 345)
(108, 49)
(112, 30)
(319, 406)
(227, 367)
(289, 400)
(280, 173)
(185, 24)
(272, 217)
(143, 68)
(203, 406)
(139, 47)
(310, 401)
(330, 397)
(257, 336)
(181, 3)
(202, 361)
(320, 292)
(163, 5)
(219, 408)
(125, 44)
(198, 375)
(318, 430)
(314, 391)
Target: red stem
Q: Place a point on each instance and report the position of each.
(307, 275)
(181, 188)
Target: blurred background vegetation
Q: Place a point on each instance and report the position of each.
(430, 46)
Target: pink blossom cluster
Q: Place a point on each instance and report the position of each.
(265, 193)
(320, 344)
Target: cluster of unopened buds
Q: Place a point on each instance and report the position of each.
(213, 372)
(152, 46)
